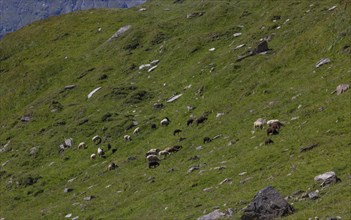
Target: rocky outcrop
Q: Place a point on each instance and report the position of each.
(18, 13)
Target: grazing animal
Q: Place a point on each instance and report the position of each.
(277, 125)
(127, 137)
(189, 121)
(112, 166)
(175, 148)
(272, 131)
(272, 121)
(165, 121)
(200, 119)
(82, 145)
(163, 153)
(152, 152)
(93, 156)
(176, 131)
(100, 152)
(259, 123)
(153, 161)
(153, 126)
(108, 146)
(136, 131)
(268, 141)
(97, 139)
(114, 150)
(207, 140)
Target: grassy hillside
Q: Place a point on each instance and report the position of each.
(38, 61)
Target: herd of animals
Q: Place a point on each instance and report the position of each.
(154, 156)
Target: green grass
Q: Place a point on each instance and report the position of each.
(34, 71)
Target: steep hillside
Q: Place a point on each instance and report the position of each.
(48, 68)
(17, 13)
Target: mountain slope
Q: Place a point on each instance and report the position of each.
(38, 61)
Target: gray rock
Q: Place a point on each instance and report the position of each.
(119, 33)
(33, 151)
(313, 195)
(88, 198)
(322, 62)
(26, 118)
(342, 88)
(75, 218)
(195, 14)
(173, 98)
(67, 190)
(70, 87)
(217, 214)
(327, 178)
(68, 142)
(267, 204)
(193, 168)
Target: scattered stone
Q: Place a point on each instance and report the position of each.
(313, 195)
(199, 147)
(143, 66)
(239, 46)
(195, 14)
(75, 218)
(67, 190)
(242, 174)
(322, 62)
(68, 142)
(262, 47)
(307, 148)
(341, 88)
(71, 180)
(193, 168)
(174, 97)
(267, 204)
(212, 49)
(88, 198)
(332, 8)
(131, 158)
(93, 92)
(194, 158)
(119, 33)
(154, 62)
(5, 163)
(219, 114)
(220, 168)
(209, 189)
(327, 178)
(68, 215)
(217, 214)
(33, 151)
(346, 49)
(142, 9)
(151, 179)
(152, 68)
(245, 180)
(237, 34)
(70, 87)
(26, 118)
(158, 105)
(226, 180)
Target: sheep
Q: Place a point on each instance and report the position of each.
(100, 152)
(176, 131)
(152, 152)
(272, 131)
(175, 148)
(82, 145)
(272, 121)
(207, 140)
(97, 139)
(163, 153)
(127, 137)
(189, 121)
(277, 125)
(93, 156)
(259, 123)
(165, 121)
(153, 161)
(136, 131)
(112, 166)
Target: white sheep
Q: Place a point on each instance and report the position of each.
(272, 121)
(136, 131)
(81, 145)
(259, 123)
(96, 139)
(165, 121)
(100, 152)
(163, 153)
(112, 166)
(127, 137)
(153, 161)
(93, 156)
(152, 152)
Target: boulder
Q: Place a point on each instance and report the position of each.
(322, 62)
(342, 88)
(327, 178)
(267, 204)
(119, 33)
(217, 214)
